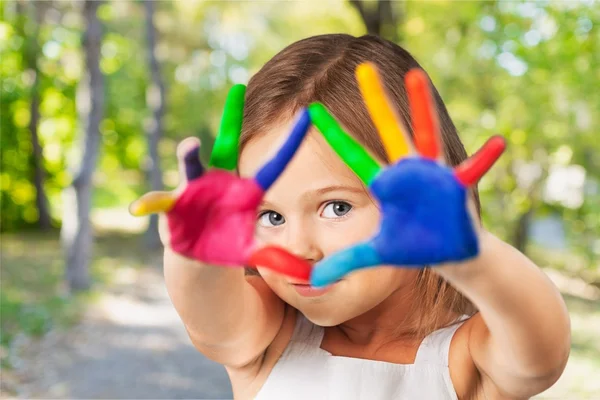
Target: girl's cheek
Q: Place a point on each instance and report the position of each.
(263, 235)
(336, 236)
(275, 281)
(359, 226)
(259, 237)
(267, 275)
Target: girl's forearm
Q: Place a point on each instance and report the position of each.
(528, 323)
(209, 300)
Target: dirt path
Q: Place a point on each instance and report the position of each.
(130, 345)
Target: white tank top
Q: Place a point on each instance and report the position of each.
(305, 371)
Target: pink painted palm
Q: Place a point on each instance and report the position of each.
(212, 217)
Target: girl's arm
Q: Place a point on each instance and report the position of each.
(521, 341)
(230, 319)
(208, 232)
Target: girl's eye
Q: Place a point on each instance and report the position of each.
(336, 209)
(270, 218)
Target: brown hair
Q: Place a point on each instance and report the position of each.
(322, 68)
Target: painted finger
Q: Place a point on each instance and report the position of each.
(470, 171)
(281, 261)
(338, 265)
(188, 158)
(193, 166)
(226, 149)
(272, 169)
(396, 142)
(424, 116)
(348, 149)
(152, 203)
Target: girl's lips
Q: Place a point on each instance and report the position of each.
(306, 290)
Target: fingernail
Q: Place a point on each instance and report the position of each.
(137, 209)
(193, 166)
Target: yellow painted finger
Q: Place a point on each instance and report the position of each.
(382, 113)
(152, 203)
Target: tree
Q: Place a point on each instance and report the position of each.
(31, 53)
(155, 99)
(380, 18)
(76, 232)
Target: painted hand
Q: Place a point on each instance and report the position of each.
(425, 218)
(212, 216)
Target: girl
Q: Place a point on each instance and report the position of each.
(493, 327)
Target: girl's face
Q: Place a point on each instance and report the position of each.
(317, 207)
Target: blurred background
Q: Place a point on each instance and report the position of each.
(96, 95)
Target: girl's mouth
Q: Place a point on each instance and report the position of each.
(306, 290)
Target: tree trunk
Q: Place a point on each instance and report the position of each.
(41, 201)
(155, 98)
(521, 234)
(77, 231)
(380, 18)
(32, 51)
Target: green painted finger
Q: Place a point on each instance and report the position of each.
(226, 149)
(349, 150)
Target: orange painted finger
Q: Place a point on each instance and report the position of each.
(389, 126)
(423, 112)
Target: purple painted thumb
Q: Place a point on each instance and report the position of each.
(193, 166)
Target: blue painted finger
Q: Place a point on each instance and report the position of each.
(269, 173)
(343, 262)
(193, 166)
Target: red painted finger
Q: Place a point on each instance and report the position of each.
(281, 261)
(424, 117)
(470, 171)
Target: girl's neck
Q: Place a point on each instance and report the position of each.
(394, 319)
(381, 334)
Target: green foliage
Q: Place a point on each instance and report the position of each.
(525, 70)
(56, 90)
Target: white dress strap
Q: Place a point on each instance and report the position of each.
(436, 346)
(307, 337)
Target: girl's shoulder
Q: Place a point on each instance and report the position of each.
(247, 381)
(289, 328)
(463, 371)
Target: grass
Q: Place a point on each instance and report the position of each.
(33, 298)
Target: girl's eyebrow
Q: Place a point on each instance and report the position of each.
(265, 205)
(334, 188)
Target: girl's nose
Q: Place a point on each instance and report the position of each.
(302, 241)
